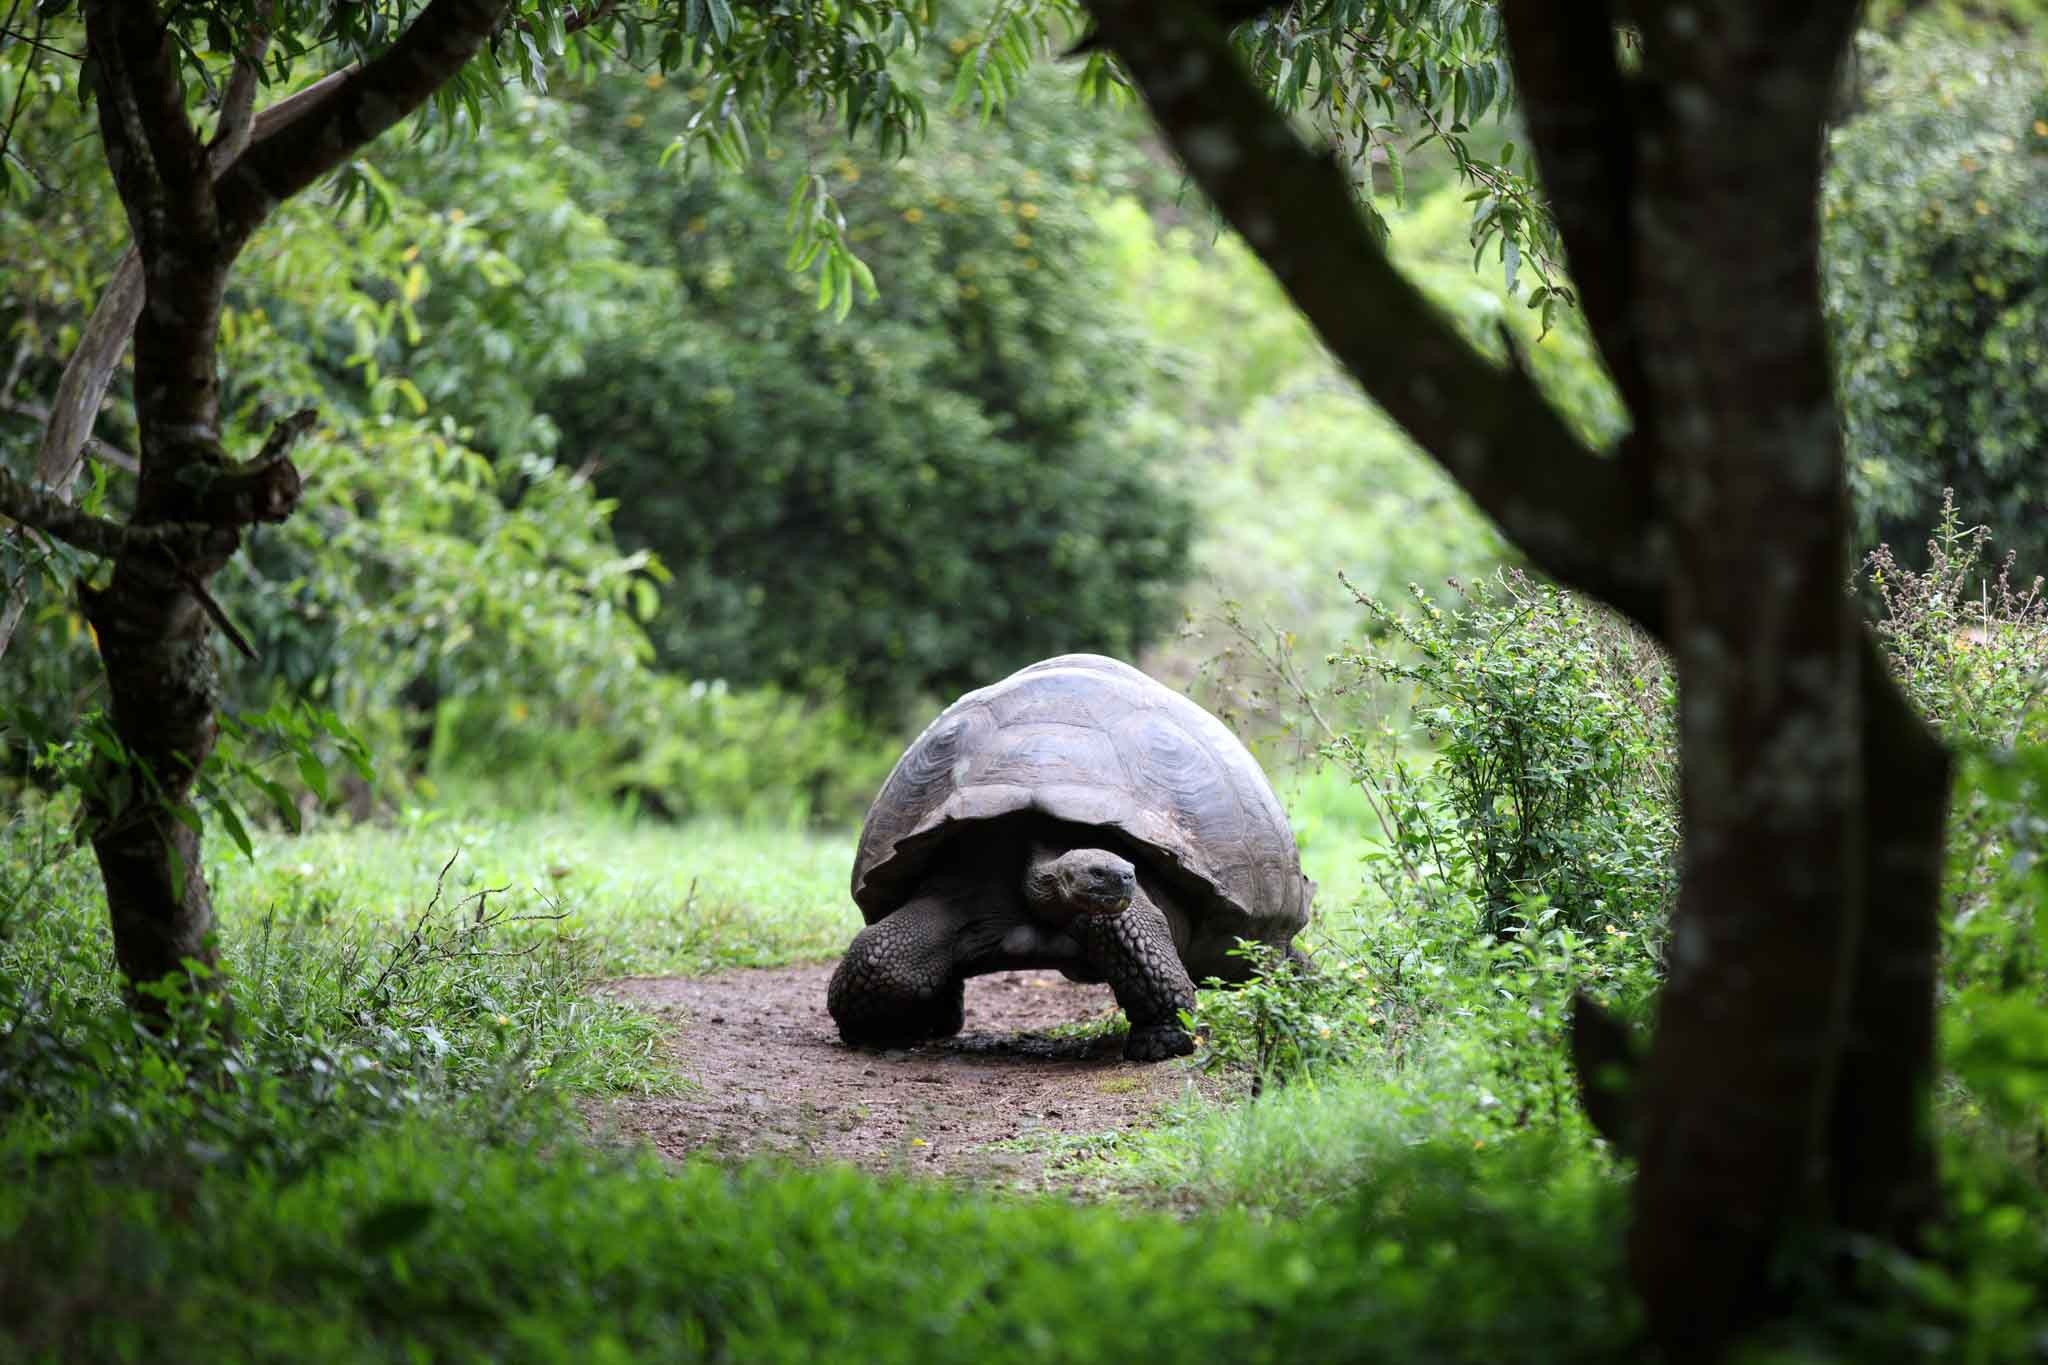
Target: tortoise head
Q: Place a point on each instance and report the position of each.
(1090, 881)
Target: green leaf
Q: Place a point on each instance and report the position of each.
(646, 602)
(231, 821)
(314, 774)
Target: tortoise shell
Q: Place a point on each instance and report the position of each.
(1092, 741)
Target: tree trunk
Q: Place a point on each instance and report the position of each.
(1880, 1140)
(193, 501)
(1742, 1078)
(1787, 1088)
(154, 641)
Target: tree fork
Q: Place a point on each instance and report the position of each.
(190, 217)
(1804, 936)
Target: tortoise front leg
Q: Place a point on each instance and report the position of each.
(1133, 949)
(899, 982)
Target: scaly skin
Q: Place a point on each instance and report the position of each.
(897, 983)
(1134, 949)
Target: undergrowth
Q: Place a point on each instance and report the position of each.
(437, 1240)
(383, 1160)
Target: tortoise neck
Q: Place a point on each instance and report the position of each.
(1042, 879)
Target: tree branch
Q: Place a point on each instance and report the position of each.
(386, 89)
(67, 425)
(575, 21)
(41, 510)
(237, 122)
(1577, 515)
(101, 452)
(264, 489)
(158, 162)
(1576, 103)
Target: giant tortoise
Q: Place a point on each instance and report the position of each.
(1076, 815)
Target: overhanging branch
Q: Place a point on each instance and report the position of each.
(1576, 104)
(430, 52)
(1574, 513)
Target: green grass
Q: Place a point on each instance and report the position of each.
(654, 898)
(390, 1171)
(650, 898)
(1312, 1143)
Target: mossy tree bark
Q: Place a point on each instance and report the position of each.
(1788, 1083)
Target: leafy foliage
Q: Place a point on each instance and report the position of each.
(1534, 856)
(677, 748)
(1386, 80)
(1289, 1020)
(920, 497)
(1935, 237)
(1551, 801)
(415, 563)
(1971, 648)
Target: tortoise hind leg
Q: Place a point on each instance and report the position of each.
(1133, 948)
(899, 981)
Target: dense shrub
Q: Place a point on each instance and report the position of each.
(1936, 248)
(1530, 856)
(920, 497)
(1551, 797)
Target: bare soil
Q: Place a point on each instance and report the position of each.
(1039, 1064)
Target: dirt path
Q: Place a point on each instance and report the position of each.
(773, 1077)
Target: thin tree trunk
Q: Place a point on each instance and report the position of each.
(67, 430)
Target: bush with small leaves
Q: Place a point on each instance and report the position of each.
(1289, 1020)
(1551, 798)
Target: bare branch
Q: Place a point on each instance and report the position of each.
(429, 53)
(31, 40)
(1577, 515)
(274, 118)
(237, 109)
(217, 614)
(101, 452)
